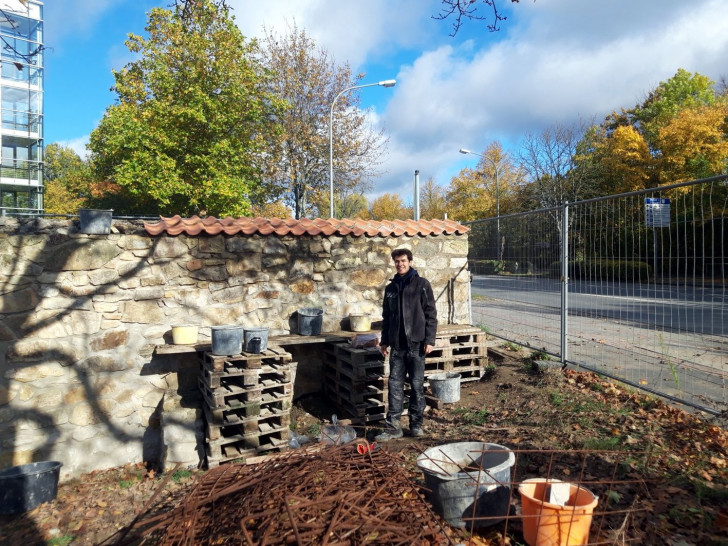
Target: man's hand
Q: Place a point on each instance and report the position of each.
(428, 349)
(383, 349)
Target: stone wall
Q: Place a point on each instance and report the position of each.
(81, 316)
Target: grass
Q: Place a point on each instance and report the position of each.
(515, 347)
(313, 430)
(181, 475)
(63, 540)
(489, 371)
(471, 416)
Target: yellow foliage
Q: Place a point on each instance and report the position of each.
(694, 144)
(626, 160)
(389, 206)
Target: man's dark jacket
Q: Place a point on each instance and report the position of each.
(418, 310)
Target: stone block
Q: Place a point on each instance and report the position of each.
(143, 312)
(16, 302)
(81, 255)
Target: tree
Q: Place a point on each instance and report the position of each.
(663, 103)
(67, 180)
(549, 159)
(433, 203)
(309, 81)
(693, 144)
(468, 9)
(389, 206)
(193, 117)
(353, 205)
(481, 193)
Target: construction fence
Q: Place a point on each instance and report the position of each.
(632, 286)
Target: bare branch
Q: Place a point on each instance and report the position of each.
(468, 9)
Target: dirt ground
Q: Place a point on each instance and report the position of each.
(661, 473)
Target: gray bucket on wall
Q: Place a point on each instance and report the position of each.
(446, 386)
(24, 487)
(256, 340)
(310, 320)
(467, 476)
(227, 340)
(95, 221)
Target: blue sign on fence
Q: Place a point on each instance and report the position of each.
(657, 212)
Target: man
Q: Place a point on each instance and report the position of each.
(409, 326)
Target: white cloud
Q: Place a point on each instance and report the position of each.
(78, 145)
(562, 63)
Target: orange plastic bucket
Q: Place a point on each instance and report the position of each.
(546, 524)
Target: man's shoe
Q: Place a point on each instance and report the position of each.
(417, 432)
(389, 434)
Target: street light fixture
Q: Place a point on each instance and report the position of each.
(383, 83)
(497, 195)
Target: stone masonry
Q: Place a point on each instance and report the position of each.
(81, 316)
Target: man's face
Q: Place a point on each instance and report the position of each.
(402, 264)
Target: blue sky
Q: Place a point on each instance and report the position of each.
(554, 61)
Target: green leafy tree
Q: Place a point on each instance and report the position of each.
(309, 81)
(67, 180)
(193, 119)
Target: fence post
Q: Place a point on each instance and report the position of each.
(564, 280)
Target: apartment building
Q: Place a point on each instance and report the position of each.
(21, 97)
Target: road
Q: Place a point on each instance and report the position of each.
(673, 339)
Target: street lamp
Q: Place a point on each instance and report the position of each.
(497, 196)
(383, 83)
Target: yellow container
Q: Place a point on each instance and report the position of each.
(360, 322)
(547, 524)
(184, 335)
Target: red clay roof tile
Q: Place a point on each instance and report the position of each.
(265, 226)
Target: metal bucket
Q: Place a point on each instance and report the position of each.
(227, 340)
(309, 321)
(469, 482)
(445, 386)
(256, 340)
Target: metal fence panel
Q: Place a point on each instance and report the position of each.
(645, 297)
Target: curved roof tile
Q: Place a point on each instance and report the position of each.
(265, 226)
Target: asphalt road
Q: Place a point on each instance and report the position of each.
(669, 338)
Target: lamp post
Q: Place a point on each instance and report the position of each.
(497, 196)
(383, 83)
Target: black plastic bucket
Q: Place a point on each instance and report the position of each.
(24, 487)
(309, 321)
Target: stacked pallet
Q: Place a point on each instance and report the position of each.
(247, 403)
(356, 380)
(459, 348)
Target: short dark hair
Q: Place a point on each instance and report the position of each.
(396, 253)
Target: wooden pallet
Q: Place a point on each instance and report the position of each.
(357, 364)
(369, 409)
(218, 453)
(221, 416)
(343, 377)
(473, 373)
(235, 397)
(357, 394)
(245, 361)
(246, 378)
(235, 428)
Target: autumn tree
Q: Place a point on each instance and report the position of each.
(694, 143)
(433, 200)
(389, 206)
(193, 119)
(67, 180)
(353, 205)
(309, 80)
